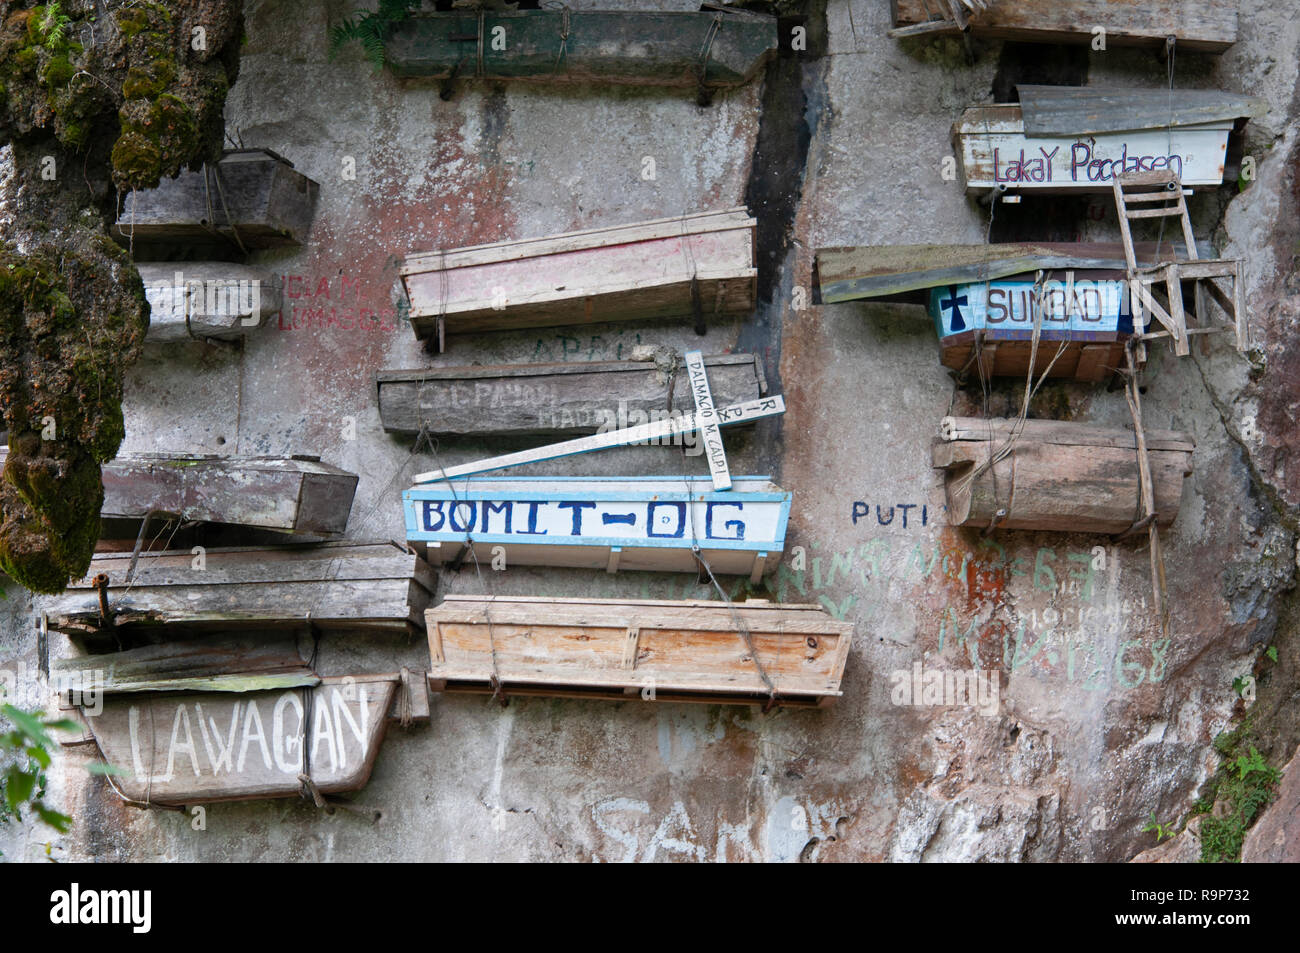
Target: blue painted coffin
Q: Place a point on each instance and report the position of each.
(612, 523)
(1082, 310)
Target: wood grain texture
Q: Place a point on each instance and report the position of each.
(679, 648)
(253, 194)
(1059, 476)
(1208, 25)
(549, 399)
(296, 495)
(658, 269)
(341, 585)
(193, 748)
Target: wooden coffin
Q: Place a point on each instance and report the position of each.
(1060, 476)
(647, 48)
(697, 266)
(907, 273)
(205, 664)
(338, 585)
(207, 299)
(1083, 323)
(191, 748)
(999, 150)
(552, 399)
(250, 199)
(655, 650)
(1208, 25)
(296, 495)
(609, 523)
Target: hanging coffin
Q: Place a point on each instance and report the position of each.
(206, 300)
(695, 266)
(341, 585)
(1058, 476)
(553, 399)
(655, 650)
(1083, 323)
(1205, 25)
(191, 748)
(609, 523)
(1069, 139)
(688, 49)
(250, 199)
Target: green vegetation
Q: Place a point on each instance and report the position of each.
(25, 756)
(1161, 830)
(1245, 783)
(371, 29)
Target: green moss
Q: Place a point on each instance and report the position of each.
(1245, 784)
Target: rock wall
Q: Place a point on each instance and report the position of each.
(1101, 721)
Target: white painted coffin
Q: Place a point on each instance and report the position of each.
(611, 523)
(206, 299)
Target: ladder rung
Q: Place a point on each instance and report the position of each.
(1153, 212)
(1161, 196)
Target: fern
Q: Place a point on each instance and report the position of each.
(53, 26)
(371, 29)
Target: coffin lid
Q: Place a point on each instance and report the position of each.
(1078, 110)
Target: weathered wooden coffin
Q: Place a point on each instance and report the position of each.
(552, 399)
(609, 523)
(191, 748)
(1083, 323)
(251, 198)
(296, 495)
(208, 663)
(1059, 476)
(655, 650)
(1208, 25)
(337, 585)
(1068, 139)
(699, 266)
(906, 273)
(206, 299)
(659, 48)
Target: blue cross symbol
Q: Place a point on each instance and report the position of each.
(954, 303)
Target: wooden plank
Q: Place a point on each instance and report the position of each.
(659, 48)
(223, 663)
(1063, 433)
(1082, 110)
(653, 432)
(551, 399)
(331, 586)
(181, 749)
(1089, 487)
(707, 416)
(651, 269)
(250, 199)
(996, 152)
(577, 645)
(654, 522)
(1207, 25)
(908, 272)
(297, 495)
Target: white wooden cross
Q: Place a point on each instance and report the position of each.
(706, 419)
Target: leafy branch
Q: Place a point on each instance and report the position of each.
(371, 29)
(23, 782)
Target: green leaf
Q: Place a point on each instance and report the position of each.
(18, 787)
(1271, 652)
(63, 724)
(28, 724)
(39, 755)
(103, 767)
(60, 822)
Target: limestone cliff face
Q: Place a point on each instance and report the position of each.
(1101, 722)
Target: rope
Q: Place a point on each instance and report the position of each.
(564, 37)
(701, 70)
(739, 622)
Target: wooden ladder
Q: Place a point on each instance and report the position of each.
(1161, 194)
